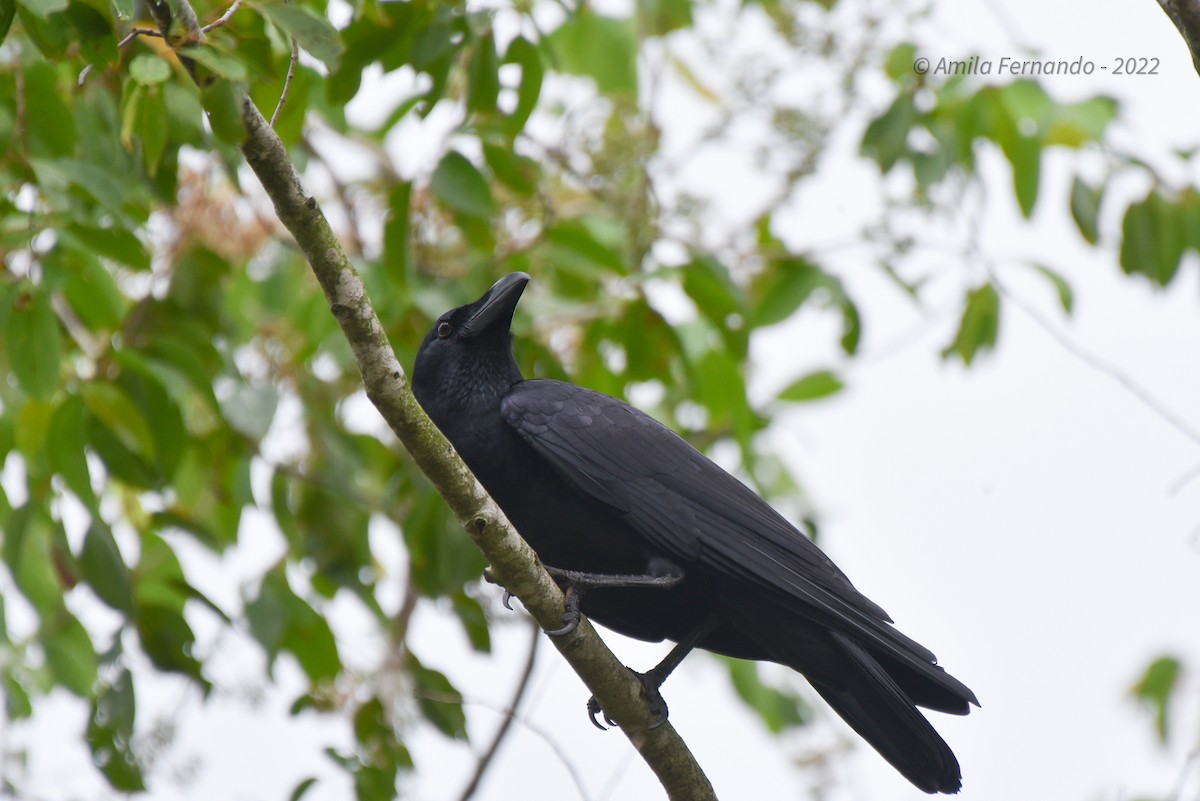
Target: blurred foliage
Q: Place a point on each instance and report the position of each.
(1155, 689)
(174, 374)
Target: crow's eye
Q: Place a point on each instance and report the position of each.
(444, 329)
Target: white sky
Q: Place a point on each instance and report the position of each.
(1015, 517)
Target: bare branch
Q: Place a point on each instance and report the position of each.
(486, 758)
(223, 20)
(1185, 14)
(1166, 413)
(287, 82)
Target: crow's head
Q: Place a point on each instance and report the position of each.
(466, 357)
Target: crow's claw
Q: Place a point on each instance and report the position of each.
(570, 623)
(654, 700)
(571, 614)
(593, 707)
(507, 600)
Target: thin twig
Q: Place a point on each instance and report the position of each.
(525, 723)
(1095, 362)
(485, 760)
(287, 82)
(1187, 478)
(223, 20)
(129, 37)
(1193, 758)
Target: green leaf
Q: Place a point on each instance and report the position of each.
(474, 620)
(660, 17)
(379, 757)
(168, 641)
(1065, 296)
(282, 621)
(115, 242)
(52, 37)
(152, 113)
(312, 31)
(783, 288)
(250, 409)
(599, 47)
(8, 10)
(1024, 154)
(1153, 238)
(886, 138)
(158, 577)
(302, 788)
(33, 343)
(397, 252)
(70, 655)
(779, 709)
(1076, 124)
(223, 102)
(281, 505)
(185, 114)
(91, 290)
(586, 247)
(525, 54)
(899, 62)
(1085, 209)
(110, 733)
(483, 75)
(66, 449)
(105, 570)
(814, 386)
(517, 172)
(28, 553)
(17, 704)
(1155, 688)
(459, 186)
(107, 186)
(142, 381)
(441, 556)
(979, 325)
(93, 33)
(218, 62)
(708, 283)
(44, 8)
(311, 641)
(148, 69)
(439, 701)
(121, 416)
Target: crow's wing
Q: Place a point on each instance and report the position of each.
(689, 508)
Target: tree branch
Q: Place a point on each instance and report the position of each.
(1185, 14)
(513, 563)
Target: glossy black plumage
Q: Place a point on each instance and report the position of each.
(597, 486)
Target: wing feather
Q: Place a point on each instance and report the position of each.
(688, 507)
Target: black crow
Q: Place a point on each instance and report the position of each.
(653, 540)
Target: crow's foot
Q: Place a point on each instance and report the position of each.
(650, 691)
(571, 614)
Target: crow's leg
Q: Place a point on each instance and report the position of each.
(663, 575)
(652, 680)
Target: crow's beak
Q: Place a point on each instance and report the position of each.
(497, 305)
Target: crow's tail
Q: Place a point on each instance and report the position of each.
(878, 709)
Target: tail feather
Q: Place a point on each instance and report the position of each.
(875, 706)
